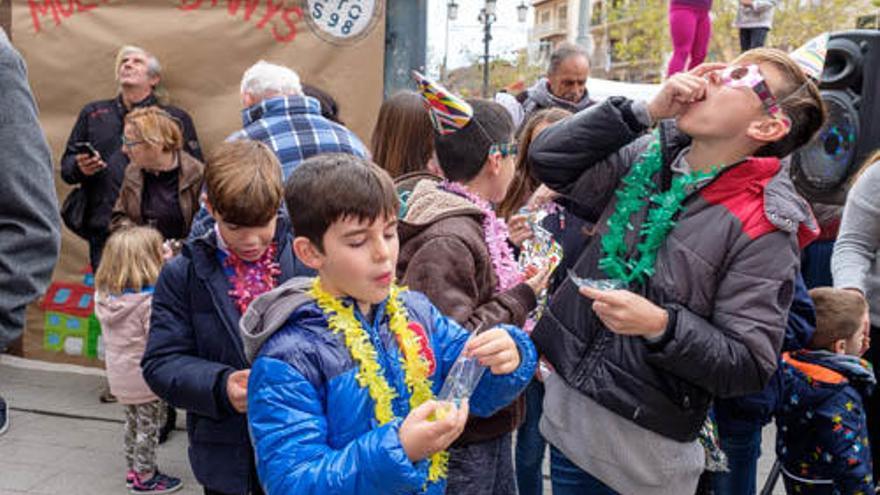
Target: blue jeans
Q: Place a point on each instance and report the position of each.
(530, 445)
(568, 479)
(743, 450)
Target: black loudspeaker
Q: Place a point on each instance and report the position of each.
(850, 87)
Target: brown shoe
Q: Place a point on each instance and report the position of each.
(107, 397)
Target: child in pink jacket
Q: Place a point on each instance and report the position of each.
(124, 292)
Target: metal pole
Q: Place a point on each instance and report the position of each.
(487, 24)
(445, 50)
(583, 38)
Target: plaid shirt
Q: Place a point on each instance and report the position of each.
(294, 128)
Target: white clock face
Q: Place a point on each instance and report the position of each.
(343, 21)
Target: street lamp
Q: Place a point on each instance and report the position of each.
(487, 18)
(490, 7)
(522, 11)
(452, 10)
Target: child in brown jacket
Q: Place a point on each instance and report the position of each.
(455, 250)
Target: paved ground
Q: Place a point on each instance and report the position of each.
(63, 441)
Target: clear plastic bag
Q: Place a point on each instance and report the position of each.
(462, 380)
(463, 377)
(599, 284)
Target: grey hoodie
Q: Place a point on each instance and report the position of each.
(270, 311)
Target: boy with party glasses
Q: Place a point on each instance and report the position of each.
(699, 221)
(346, 366)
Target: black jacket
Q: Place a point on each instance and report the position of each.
(101, 123)
(725, 273)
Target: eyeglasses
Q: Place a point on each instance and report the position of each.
(131, 144)
(749, 76)
(506, 149)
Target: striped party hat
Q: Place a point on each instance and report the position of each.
(448, 112)
(811, 56)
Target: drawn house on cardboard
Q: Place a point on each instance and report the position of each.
(70, 323)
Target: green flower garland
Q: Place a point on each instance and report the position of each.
(638, 185)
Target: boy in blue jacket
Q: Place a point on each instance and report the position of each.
(822, 438)
(194, 358)
(346, 366)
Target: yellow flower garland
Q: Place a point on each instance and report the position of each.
(341, 319)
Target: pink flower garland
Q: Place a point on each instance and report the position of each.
(496, 234)
(252, 279)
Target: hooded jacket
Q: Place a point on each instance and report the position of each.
(443, 254)
(125, 323)
(725, 274)
(313, 425)
(823, 432)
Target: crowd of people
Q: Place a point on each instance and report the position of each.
(618, 279)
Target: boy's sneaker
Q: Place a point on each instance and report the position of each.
(156, 485)
(4, 416)
(130, 476)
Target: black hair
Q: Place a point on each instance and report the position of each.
(333, 186)
(463, 153)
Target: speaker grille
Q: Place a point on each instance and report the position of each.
(825, 162)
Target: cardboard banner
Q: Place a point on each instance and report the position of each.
(204, 46)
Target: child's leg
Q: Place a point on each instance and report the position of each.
(745, 35)
(148, 424)
(702, 35)
(682, 26)
(530, 445)
(130, 436)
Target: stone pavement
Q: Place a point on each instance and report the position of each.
(61, 440)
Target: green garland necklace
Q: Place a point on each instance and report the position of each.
(638, 185)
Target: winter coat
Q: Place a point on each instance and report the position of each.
(823, 432)
(725, 274)
(101, 123)
(30, 231)
(757, 15)
(125, 324)
(751, 412)
(442, 233)
(194, 345)
(313, 425)
(128, 208)
(539, 97)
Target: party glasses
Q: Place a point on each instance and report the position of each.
(749, 76)
(506, 149)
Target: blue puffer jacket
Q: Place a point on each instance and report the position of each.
(823, 431)
(313, 426)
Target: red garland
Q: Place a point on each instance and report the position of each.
(249, 280)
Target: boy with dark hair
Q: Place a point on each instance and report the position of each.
(194, 357)
(700, 224)
(455, 250)
(346, 366)
(822, 438)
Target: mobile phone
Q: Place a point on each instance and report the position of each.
(85, 148)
